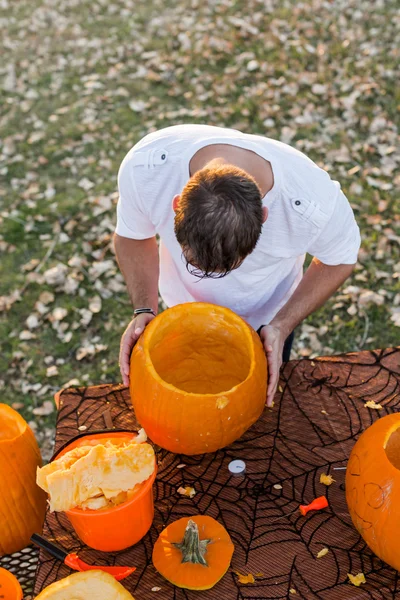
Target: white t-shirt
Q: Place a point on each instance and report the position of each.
(307, 212)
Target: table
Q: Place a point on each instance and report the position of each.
(318, 414)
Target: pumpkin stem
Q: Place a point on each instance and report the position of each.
(193, 549)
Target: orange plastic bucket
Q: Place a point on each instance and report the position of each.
(9, 586)
(119, 527)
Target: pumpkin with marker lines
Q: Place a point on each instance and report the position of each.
(373, 488)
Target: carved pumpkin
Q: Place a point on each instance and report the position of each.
(90, 584)
(22, 502)
(198, 378)
(193, 553)
(373, 488)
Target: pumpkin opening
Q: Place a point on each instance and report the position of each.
(201, 353)
(392, 448)
(11, 426)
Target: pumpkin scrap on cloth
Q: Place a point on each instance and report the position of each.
(193, 552)
(198, 378)
(357, 580)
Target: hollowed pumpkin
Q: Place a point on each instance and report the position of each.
(198, 378)
(85, 586)
(373, 488)
(22, 502)
(193, 552)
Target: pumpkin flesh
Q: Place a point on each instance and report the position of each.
(22, 502)
(85, 586)
(198, 378)
(373, 488)
(98, 476)
(195, 558)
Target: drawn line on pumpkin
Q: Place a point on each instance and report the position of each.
(381, 491)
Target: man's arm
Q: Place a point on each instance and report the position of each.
(139, 264)
(318, 284)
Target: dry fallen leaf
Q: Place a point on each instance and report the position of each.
(52, 371)
(322, 552)
(46, 409)
(95, 304)
(326, 479)
(372, 404)
(358, 579)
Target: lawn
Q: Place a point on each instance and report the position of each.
(83, 81)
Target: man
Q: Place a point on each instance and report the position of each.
(236, 214)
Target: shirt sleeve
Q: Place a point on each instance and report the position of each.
(339, 241)
(132, 221)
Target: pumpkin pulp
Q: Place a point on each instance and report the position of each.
(207, 355)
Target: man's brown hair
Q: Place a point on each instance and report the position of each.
(219, 220)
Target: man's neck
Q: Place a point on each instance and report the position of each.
(256, 166)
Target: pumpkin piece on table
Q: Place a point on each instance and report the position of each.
(22, 502)
(89, 585)
(373, 488)
(198, 378)
(357, 580)
(193, 552)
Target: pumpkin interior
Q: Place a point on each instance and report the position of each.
(201, 353)
(392, 448)
(11, 427)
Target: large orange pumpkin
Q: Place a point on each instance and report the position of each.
(22, 502)
(193, 552)
(373, 488)
(198, 378)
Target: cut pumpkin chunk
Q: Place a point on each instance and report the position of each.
(103, 471)
(90, 585)
(65, 462)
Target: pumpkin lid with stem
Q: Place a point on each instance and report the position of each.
(193, 552)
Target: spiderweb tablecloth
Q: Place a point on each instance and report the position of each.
(317, 417)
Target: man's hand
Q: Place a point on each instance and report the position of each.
(129, 339)
(273, 339)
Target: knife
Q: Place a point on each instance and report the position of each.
(74, 562)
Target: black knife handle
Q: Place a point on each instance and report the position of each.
(51, 548)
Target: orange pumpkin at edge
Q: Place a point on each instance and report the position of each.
(193, 553)
(198, 378)
(373, 488)
(22, 502)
